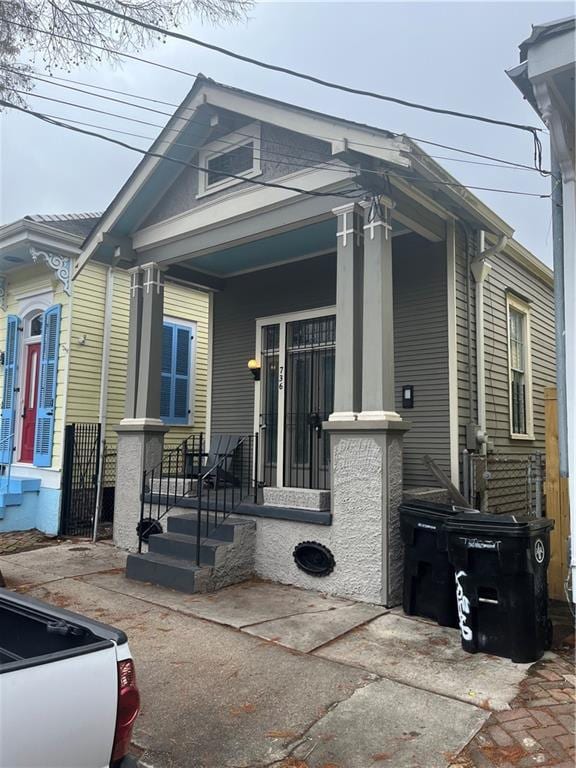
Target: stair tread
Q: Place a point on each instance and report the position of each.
(186, 538)
(194, 516)
(175, 562)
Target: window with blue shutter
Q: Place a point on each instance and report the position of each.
(176, 365)
(47, 387)
(9, 394)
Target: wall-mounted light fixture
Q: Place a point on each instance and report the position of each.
(254, 368)
(408, 396)
(2, 358)
(82, 340)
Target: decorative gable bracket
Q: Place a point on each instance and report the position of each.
(61, 265)
(3, 301)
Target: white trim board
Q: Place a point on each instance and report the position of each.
(452, 353)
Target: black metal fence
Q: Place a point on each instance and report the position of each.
(79, 479)
(508, 483)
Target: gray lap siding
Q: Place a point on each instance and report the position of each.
(421, 356)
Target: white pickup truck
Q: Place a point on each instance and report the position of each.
(68, 694)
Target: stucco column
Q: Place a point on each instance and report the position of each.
(141, 431)
(349, 290)
(378, 319)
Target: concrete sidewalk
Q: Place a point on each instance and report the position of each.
(262, 674)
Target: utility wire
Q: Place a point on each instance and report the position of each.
(312, 193)
(49, 81)
(303, 76)
(62, 124)
(194, 75)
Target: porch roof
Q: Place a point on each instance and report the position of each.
(62, 234)
(177, 240)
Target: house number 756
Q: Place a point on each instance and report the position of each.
(281, 377)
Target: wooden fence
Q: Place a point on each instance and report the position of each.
(556, 502)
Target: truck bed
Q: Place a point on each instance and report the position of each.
(34, 633)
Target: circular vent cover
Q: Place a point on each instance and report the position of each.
(314, 558)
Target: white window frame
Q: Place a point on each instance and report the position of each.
(251, 134)
(193, 326)
(521, 307)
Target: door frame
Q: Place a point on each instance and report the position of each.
(27, 340)
(281, 320)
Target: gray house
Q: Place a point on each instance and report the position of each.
(375, 331)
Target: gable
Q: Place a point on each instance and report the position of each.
(281, 152)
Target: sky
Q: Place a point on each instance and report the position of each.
(448, 54)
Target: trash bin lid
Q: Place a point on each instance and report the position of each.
(431, 507)
(472, 521)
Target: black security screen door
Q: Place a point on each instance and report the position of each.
(310, 349)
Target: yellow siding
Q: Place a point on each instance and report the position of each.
(118, 355)
(184, 304)
(86, 358)
(181, 303)
(26, 282)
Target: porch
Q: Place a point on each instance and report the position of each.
(325, 337)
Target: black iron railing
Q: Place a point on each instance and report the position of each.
(215, 482)
(224, 486)
(172, 479)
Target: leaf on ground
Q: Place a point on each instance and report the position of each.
(243, 709)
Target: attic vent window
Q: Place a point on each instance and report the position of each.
(237, 154)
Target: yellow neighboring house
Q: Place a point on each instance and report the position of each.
(63, 347)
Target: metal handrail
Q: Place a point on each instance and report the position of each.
(173, 461)
(219, 488)
(9, 464)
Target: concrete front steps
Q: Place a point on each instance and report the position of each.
(12, 491)
(226, 555)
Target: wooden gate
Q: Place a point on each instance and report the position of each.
(556, 502)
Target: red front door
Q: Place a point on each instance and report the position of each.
(30, 402)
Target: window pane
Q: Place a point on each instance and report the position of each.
(236, 161)
(518, 403)
(36, 326)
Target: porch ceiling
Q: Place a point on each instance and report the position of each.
(295, 244)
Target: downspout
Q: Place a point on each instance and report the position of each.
(481, 268)
(559, 309)
(103, 407)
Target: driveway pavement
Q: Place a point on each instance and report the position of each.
(261, 674)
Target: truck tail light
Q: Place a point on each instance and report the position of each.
(128, 709)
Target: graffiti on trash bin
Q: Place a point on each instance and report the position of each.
(539, 551)
(463, 607)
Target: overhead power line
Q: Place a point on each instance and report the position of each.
(193, 75)
(62, 124)
(312, 193)
(301, 75)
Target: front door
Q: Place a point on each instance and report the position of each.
(30, 403)
(296, 397)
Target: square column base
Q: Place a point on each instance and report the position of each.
(140, 448)
(367, 491)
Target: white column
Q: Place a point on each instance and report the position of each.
(378, 320)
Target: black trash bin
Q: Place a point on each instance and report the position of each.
(428, 574)
(500, 564)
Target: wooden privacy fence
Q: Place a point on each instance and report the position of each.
(556, 502)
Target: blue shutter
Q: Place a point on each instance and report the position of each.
(175, 383)
(167, 383)
(181, 374)
(47, 387)
(9, 394)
